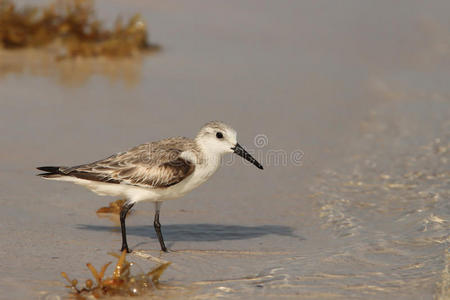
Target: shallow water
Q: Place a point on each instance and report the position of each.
(360, 90)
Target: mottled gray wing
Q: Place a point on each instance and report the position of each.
(152, 165)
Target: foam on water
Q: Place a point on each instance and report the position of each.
(391, 204)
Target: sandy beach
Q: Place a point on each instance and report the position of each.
(346, 104)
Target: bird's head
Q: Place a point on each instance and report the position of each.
(218, 138)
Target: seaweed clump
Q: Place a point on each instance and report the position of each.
(112, 211)
(113, 208)
(121, 283)
(71, 26)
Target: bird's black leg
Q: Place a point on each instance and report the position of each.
(157, 226)
(123, 214)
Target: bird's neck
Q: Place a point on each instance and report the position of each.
(208, 158)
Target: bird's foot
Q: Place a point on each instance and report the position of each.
(163, 247)
(125, 247)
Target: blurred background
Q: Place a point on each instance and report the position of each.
(360, 88)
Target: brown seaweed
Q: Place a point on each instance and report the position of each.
(72, 28)
(121, 283)
(112, 211)
(113, 208)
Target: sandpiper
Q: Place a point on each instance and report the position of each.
(155, 171)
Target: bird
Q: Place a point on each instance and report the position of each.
(155, 171)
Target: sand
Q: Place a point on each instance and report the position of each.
(347, 99)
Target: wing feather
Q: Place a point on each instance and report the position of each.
(151, 165)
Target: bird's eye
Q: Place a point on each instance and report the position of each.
(219, 135)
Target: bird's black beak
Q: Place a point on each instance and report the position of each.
(241, 152)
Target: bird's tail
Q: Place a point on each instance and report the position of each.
(50, 172)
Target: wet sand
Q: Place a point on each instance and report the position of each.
(360, 89)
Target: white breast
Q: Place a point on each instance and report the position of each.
(204, 169)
